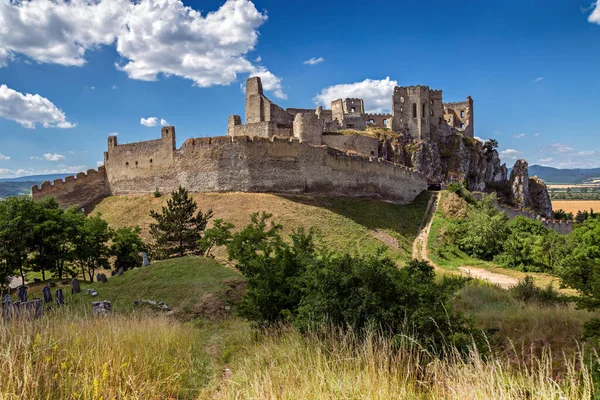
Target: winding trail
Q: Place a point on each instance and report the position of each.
(419, 251)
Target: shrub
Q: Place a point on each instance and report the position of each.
(157, 193)
(528, 292)
(302, 283)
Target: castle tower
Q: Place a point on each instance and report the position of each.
(168, 136)
(254, 101)
(412, 110)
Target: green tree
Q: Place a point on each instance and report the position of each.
(16, 232)
(178, 228)
(91, 251)
(218, 235)
(580, 268)
(521, 247)
(126, 247)
(483, 232)
(47, 236)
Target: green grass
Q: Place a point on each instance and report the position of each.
(181, 283)
(345, 224)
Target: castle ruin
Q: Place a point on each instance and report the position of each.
(301, 151)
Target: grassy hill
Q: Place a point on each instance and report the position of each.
(360, 226)
(15, 188)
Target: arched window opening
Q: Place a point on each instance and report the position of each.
(414, 110)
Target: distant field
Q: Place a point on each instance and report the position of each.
(576, 205)
(572, 185)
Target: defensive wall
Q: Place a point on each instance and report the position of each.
(236, 164)
(83, 189)
(560, 226)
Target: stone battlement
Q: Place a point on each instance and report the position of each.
(236, 163)
(82, 189)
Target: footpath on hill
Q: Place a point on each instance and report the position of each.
(419, 251)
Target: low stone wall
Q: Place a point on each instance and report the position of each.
(82, 190)
(561, 227)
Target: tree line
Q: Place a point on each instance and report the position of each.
(39, 236)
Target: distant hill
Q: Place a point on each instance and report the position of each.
(21, 186)
(36, 178)
(15, 188)
(555, 175)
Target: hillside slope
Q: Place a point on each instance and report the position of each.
(360, 226)
(555, 175)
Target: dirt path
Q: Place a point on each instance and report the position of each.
(504, 281)
(420, 251)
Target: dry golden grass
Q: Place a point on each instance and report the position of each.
(347, 224)
(70, 355)
(286, 365)
(576, 205)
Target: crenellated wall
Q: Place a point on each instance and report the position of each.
(245, 164)
(82, 190)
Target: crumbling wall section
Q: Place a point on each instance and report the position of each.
(356, 143)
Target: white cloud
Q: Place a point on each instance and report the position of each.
(152, 37)
(270, 82)
(150, 121)
(595, 15)
(3, 157)
(536, 134)
(539, 79)
(114, 87)
(519, 136)
(510, 154)
(59, 169)
(377, 94)
(99, 163)
(29, 109)
(115, 133)
(562, 148)
(49, 157)
(258, 59)
(546, 160)
(314, 61)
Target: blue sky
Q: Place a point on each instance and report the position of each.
(71, 73)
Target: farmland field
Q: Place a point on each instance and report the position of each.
(576, 205)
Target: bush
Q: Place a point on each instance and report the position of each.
(311, 287)
(528, 292)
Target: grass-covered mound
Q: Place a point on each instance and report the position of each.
(358, 226)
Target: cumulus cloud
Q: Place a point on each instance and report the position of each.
(3, 157)
(153, 37)
(314, 61)
(30, 109)
(151, 121)
(510, 154)
(49, 157)
(595, 15)
(377, 94)
(270, 82)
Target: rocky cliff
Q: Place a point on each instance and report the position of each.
(455, 158)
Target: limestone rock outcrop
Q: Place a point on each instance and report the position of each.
(455, 158)
(519, 185)
(540, 199)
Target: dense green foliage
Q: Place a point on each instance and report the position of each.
(41, 237)
(178, 228)
(126, 247)
(300, 282)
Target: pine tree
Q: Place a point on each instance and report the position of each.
(178, 228)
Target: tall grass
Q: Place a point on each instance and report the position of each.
(70, 354)
(287, 365)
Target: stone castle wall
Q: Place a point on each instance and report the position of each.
(561, 227)
(236, 164)
(83, 190)
(356, 144)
